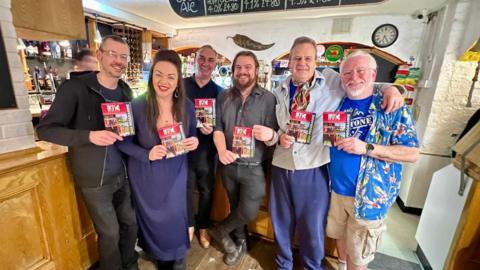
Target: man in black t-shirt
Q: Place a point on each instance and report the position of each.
(75, 120)
(201, 173)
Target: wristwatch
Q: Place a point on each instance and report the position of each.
(369, 147)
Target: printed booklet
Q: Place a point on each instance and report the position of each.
(243, 142)
(118, 118)
(205, 111)
(335, 126)
(172, 137)
(301, 126)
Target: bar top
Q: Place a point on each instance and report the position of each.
(29, 157)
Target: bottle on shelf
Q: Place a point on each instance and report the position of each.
(55, 50)
(30, 50)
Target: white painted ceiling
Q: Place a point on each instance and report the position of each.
(161, 13)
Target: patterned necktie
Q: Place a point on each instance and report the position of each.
(301, 98)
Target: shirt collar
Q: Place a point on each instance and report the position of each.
(317, 78)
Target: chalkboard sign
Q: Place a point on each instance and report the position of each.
(219, 7)
(359, 2)
(188, 8)
(262, 5)
(7, 95)
(293, 4)
(198, 8)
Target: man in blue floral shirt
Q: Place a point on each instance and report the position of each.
(365, 170)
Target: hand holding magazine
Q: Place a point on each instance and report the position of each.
(172, 137)
(118, 118)
(335, 126)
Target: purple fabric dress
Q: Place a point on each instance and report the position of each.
(159, 189)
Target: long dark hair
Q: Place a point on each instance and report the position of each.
(179, 98)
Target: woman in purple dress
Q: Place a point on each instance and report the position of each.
(159, 185)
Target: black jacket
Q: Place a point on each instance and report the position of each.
(74, 113)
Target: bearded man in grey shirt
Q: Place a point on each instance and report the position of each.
(248, 105)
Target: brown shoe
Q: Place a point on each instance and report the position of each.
(204, 238)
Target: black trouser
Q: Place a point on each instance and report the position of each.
(245, 186)
(111, 210)
(201, 175)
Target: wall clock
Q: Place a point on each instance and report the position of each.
(384, 35)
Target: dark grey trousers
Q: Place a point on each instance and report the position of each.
(111, 210)
(201, 175)
(245, 186)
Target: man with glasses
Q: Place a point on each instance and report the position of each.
(299, 195)
(365, 168)
(201, 173)
(75, 120)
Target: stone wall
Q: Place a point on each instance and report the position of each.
(449, 112)
(16, 129)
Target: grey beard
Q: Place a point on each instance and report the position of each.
(356, 93)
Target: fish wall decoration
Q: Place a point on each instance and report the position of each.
(248, 43)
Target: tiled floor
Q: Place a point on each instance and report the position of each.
(399, 239)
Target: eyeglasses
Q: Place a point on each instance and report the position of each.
(115, 55)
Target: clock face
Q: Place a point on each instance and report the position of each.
(385, 35)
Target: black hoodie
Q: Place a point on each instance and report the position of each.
(75, 112)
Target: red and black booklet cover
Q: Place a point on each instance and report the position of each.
(335, 126)
(243, 142)
(205, 111)
(118, 118)
(301, 126)
(172, 137)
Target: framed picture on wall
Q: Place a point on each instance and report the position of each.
(7, 95)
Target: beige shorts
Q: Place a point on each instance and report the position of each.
(362, 237)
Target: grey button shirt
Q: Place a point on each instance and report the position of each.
(258, 109)
(325, 95)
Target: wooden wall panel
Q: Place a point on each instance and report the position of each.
(22, 237)
(44, 224)
(49, 19)
(59, 212)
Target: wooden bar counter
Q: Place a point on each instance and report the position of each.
(44, 224)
